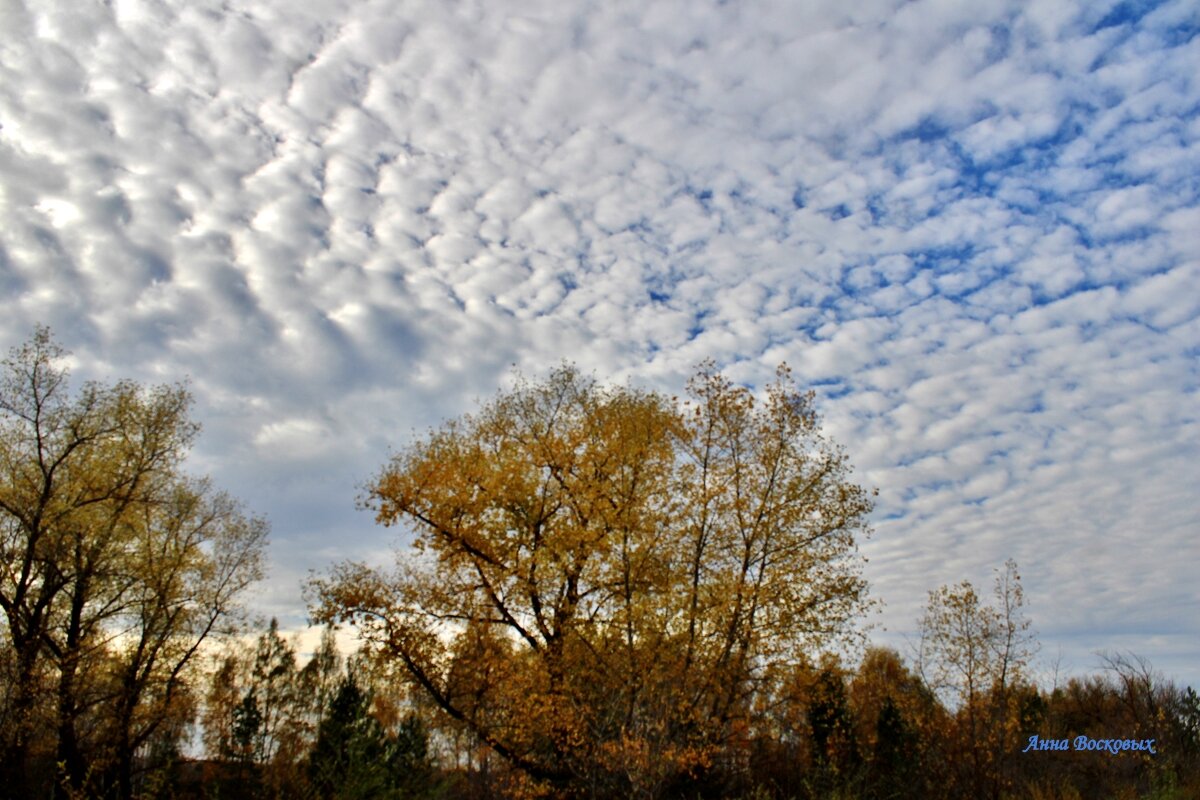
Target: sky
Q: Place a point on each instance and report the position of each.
(972, 227)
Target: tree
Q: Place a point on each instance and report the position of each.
(895, 712)
(968, 648)
(603, 577)
(116, 567)
(222, 737)
(193, 555)
(260, 711)
(319, 679)
(274, 685)
(975, 655)
(831, 724)
(354, 757)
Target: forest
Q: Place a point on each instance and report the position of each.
(610, 593)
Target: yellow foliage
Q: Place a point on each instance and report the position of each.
(603, 577)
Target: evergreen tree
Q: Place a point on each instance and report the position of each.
(895, 761)
(835, 753)
(247, 729)
(354, 757)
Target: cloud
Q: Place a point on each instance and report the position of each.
(972, 229)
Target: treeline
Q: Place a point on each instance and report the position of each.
(876, 730)
(611, 594)
(259, 723)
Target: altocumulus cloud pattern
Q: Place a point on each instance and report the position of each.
(975, 227)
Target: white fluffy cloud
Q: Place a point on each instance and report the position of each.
(973, 227)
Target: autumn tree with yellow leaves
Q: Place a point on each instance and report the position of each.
(602, 578)
(976, 655)
(115, 567)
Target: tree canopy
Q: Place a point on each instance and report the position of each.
(604, 577)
